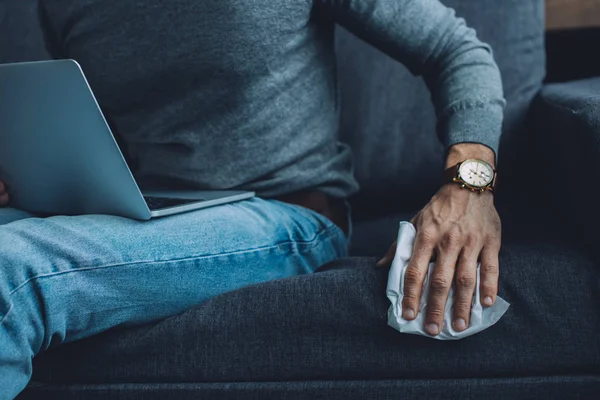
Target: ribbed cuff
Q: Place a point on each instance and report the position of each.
(481, 123)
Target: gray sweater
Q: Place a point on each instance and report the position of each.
(220, 94)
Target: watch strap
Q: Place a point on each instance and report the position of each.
(451, 173)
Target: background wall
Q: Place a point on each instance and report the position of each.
(572, 13)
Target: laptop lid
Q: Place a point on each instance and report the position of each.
(57, 153)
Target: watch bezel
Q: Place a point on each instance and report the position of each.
(459, 178)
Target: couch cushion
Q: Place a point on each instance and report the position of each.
(387, 116)
(332, 326)
(566, 119)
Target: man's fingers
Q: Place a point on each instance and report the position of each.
(488, 288)
(389, 256)
(465, 280)
(415, 274)
(439, 287)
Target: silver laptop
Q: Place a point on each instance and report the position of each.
(58, 155)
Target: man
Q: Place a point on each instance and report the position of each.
(221, 94)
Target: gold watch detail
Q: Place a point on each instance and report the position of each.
(473, 174)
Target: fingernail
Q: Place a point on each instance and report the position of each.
(432, 329)
(408, 313)
(488, 301)
(460, 324)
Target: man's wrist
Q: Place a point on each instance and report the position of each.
(462, 151)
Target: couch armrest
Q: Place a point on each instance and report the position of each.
(565, 135)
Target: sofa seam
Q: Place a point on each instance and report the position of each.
(575, 112)
(503, 377)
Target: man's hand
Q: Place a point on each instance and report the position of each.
(3, 195)
(456, 229)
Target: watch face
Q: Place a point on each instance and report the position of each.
(476, 173)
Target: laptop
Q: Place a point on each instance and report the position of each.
(58, 155)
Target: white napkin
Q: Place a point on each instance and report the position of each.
(481, 318)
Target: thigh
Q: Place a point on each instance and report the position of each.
(94, 272)
(8, 215)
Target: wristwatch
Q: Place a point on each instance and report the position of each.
(473, 174)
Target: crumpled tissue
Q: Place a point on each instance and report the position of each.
(481, 317)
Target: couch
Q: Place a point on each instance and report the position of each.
(325, 336)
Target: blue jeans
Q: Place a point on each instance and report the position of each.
(66, 278)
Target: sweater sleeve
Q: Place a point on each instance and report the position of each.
(431, 41)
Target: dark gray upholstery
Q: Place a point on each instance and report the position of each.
(332, 326)
(566, 127)
(530, 388)
(324, 336)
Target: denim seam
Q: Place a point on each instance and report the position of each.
(294, 248)
(295, 244)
